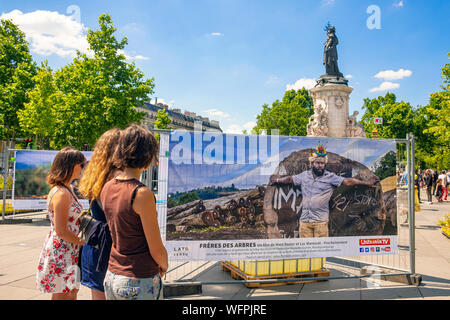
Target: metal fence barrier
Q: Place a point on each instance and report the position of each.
(387, 265)
(400, 264)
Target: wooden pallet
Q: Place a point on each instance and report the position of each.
(239, 275)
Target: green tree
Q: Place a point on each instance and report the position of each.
(162, 121)
(387, 166)
(16, 77)
(398, 117)
(38, 118)
(290, 116)
(438, 111)
(187, 197)
(95, 93)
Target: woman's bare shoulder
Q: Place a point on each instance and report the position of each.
(61, 194)
(144, 198)
(144, 193)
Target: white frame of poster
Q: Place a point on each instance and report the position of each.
(191, 251)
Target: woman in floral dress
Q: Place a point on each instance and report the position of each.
(58, 272)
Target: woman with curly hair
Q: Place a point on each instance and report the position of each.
(138, 257)
(94, 256)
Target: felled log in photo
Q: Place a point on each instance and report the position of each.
(354, 211)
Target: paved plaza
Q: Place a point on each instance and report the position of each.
(20, 245)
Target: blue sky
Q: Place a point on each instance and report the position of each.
(226, 58)
(27, 159)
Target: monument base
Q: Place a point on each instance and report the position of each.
(333, 80)
(331, 96)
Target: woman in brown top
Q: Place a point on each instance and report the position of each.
(138, 258)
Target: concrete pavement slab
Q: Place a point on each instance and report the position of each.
(336, 289)
(20, 246)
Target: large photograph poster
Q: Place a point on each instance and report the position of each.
(229, 197)
(31, 168)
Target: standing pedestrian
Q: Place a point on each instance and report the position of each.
(404, 180)
(429, 184)
(435, 178)
(58, 272)
(441, 185)
(95, 253)
(447, 185)
(138, 258)
(443, 180)
(417, 182)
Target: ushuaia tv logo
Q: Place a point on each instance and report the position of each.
(374, 245)
(375, 242)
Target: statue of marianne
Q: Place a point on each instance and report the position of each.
(330, 55)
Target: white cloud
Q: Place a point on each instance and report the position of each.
(393, 75)
(249, 125)
(272, 80)
(130, 57)
(237, 129)
(399, 4)
(50, 32)
(349, 76)
(328, 2)
(386, 86)
(215, 113)
(304, 82)
(216, 34)
(140, 57)
(234, 128)
(130, 27)
(161, 100)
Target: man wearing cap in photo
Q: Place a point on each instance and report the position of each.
(317, 186)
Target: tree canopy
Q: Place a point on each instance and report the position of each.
(429, 123)
(397, 117)
(162, 121)
(17, 70)
(290, 116)
(438, 116)
(89, 95)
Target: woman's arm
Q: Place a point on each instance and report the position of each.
(61, 203)
(145, 206)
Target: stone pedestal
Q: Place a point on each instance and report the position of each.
(331, 118)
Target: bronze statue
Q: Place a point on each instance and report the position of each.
(330, 55)
(332, 74)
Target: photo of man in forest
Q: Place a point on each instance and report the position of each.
(317, 186)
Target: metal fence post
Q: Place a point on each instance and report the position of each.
(5, 177)
(412, 242)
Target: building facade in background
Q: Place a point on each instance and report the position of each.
(180, 120)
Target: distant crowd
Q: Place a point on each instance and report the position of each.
(433, 182)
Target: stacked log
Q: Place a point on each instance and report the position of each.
(242, 210)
